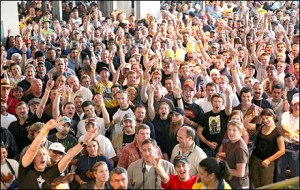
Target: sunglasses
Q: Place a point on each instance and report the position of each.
(57, 152)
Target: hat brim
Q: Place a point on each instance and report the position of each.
(181, 161)
(6, 85)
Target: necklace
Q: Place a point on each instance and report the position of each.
(275, 104)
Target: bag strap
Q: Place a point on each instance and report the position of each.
(11, 169)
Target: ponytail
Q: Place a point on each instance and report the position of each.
(224, 170)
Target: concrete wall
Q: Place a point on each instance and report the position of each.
(144, 7)
(10, 18)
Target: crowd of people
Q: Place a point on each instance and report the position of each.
(199, 98)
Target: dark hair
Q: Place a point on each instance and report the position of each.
(268, 112)
(140, 127)
(118, 171)
(212, 84)
(86, 104)
(246, 90)
(216, 95)
(150, 141)
(139, 106)
(116, 86)
(68, 103)
(219, 168)
(277, 86)
(289, 75)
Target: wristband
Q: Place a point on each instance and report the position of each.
(113, 122)
(191, 124)
(102, 105)
(233, 70)
(24, 53)
(44, 131)
(82, 144)
(47, 90)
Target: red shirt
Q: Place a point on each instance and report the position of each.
(175, 183)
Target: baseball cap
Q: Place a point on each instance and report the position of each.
(5, 82)
(41, 63)
(215, 45)
(251, 65)
(295, 98)
(128, 116)
(180, 158)
(135, 54)
(90, 120)
(42, 41)
(39, 54)
(270, 67)
(127, 66)
(189, 83)
(178, 111)
(57, 146)
(104, 68)
(34, 101)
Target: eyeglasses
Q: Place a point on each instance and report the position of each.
(57, 152)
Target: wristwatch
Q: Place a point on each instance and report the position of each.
(82, 144)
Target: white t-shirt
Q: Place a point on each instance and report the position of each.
(118, 127)
(7, 119)
(290, 121)
(5, 170)
(84, 92)
(204, 104)
(105, 144)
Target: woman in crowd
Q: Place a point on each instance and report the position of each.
(9, 169)
(33, 170)
(91, 155)
(212, 174)
(269, 146)
(101, 174)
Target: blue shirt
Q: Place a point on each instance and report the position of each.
(15, 50)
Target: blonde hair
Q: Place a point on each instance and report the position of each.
(237, 124)
(34, 128)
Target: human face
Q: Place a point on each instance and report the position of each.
(214, 77)
(188, 94)
(16, 70)
(3, 155)
(78, 102)
(60, 81)
(276, 94)
(55, 156)
(22, 111)
(222, 85)
(246, 98)
(182, 138)
(280, 67)
(258, 91)
(269, 49)
(17, 94)
(169, 85)
(119, 181)
(129, 126)
(89, 111)
(289, 83)
(204, 176)
(236, 117)
(69, 110)
(233, 133)
(142, 135)
(157, 91)
(149, 152)
(217, 104)
(182, 169)
(5, 92)
(248, 82)
(281, 48)
(163, 111)
(176, 117)
(74, 83)
(295, 108)
(267, 120)
(29, 73)
(102, 173)
(122, 99)
(92, 148)
(40, 160)
(265, 60)
(140, 114)
(210, 90)
(131, 79)
(60, 66)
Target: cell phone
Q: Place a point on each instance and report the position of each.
(73, 168)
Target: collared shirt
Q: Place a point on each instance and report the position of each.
(20, 133)
(84, 92)
(19, 51)
(195, 155)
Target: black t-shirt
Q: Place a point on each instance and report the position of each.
(263, 103)
(68, 142)
(266, 145)
(29, 97)
(193, 111)
(160, 126)
(29, 178)
(24, 84)
(290, 94)
(127, 139)
(215, 126)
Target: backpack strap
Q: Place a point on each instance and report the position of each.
(11, 169)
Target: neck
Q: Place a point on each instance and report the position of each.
(129, 133)
(3, 113)
(213, 184)
(60, 136)
(295, 113)
(22, 120)
(185, 149)
(100, 184)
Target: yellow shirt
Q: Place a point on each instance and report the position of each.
(105, 90)
(200, 185)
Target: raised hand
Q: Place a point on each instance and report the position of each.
(91, 48)
(50, 84)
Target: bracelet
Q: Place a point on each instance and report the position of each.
(113, 122)
(102, 105)
(44, 131)
(67, 95)
(191, 124)
(47, 90)
(24, 53)
(93, 70)
(233, 70)
(58, 93)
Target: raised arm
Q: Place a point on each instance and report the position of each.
(41, 106)
(151, 110)
(31, 152)
(93, 73)
(228, 107)
(161, 172)
(104, 113)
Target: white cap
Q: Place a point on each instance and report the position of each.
(295, 98)
(197, 6)
(57, 146)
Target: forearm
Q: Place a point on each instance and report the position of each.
(55, 107)
(63, 164)
(42, 104)
(162, 174)
(105, 115)
(144, 88)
